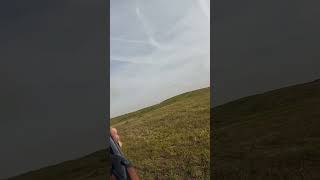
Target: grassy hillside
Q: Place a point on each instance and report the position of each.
(91, 167)
(167, 141)
(170, 140)
(274, 135)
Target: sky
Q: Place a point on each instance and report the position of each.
(259, 46)
(53, 82)
(158, 49)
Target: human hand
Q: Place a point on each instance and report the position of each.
(114, 134)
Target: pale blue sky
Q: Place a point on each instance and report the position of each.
(158, 49)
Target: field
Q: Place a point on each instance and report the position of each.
(169, 140)
(269, 136)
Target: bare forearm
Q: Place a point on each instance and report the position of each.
(133, 173)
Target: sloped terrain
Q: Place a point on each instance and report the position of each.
(274, 135)
(91, 167)
(169, 140)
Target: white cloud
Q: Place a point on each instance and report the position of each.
(178, 61)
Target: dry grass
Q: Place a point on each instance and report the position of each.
(166, 141)
(274, 135)
(170, 140)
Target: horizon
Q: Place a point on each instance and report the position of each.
(159, 102)
(213, 106)
(266, 91)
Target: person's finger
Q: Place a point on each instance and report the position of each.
(120, 143)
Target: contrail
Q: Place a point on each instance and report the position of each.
(129, 60)
(130, 41)
(147, 29)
